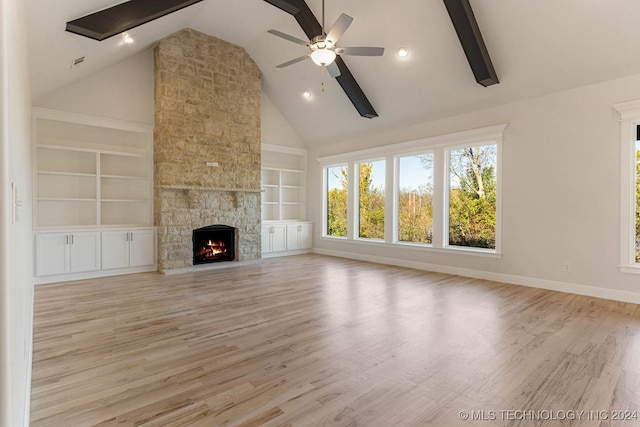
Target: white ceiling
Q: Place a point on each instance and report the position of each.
(537, 47)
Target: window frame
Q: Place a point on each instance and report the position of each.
(396, 198)
(447, 192)
(356, 199)
(325, 201)
(629, 122)
(438, 145)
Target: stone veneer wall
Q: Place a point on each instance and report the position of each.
(207, 109)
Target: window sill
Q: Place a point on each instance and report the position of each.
(488, 253)
(630, 269)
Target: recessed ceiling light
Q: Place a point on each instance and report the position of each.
(403, 52)
(306, 94)
(127, 39)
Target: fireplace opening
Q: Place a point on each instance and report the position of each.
(214, 243)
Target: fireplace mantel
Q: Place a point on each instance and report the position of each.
(200, 188)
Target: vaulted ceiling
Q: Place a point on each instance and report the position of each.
(537, 47)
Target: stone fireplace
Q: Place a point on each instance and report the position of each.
(206, 145)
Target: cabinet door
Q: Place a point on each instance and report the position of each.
(52, 255)
(142, 248)
(299, 236)
(265, 235)
(292, 237)
(84, 251)
(115, 249)
(278, 238)
(305, 236)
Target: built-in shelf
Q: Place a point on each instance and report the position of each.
(124, 177)
(91, 171)
(283, 183)
(65, 199)
(65, 173)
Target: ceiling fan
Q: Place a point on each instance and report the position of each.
(323, 46)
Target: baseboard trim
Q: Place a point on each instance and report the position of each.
(552, 285)
(210, 266)
(69, 277)
(285, 253)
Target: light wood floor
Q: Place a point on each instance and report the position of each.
(313, 340)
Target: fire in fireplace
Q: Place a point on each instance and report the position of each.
(214, 243)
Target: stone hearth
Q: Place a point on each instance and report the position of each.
(207, 101)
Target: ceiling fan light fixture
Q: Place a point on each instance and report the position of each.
(323, 57)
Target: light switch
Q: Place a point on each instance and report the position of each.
(16, 204)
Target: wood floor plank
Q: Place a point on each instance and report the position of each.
(314, 340)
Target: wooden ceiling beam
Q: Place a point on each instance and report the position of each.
(124, 16)
(466, 27)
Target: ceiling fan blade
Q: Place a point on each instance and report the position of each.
(293, 61)
(360, 51)
(339, 27)
(288, 37)
(333, 69)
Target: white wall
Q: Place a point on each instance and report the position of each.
(16, 287)
(275, 128)
(123, 91)
(561, 193)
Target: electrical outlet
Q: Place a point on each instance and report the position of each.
(566, 267)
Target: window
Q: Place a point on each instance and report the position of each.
(629, 186)
(337, 179)
(415, 198)
(445, 193)
(472, 196)
(371, 177)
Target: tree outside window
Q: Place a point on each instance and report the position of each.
(415, 198)
(337, 185)
(371, 206)
(472, 197)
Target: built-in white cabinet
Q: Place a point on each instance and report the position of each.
(286, 238)
(73, 252)
(127, 248)
(299, 236)
(71, 255)
(285, 230)
(274, 238)
(93, 196)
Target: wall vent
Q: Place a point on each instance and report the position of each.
(77, 62)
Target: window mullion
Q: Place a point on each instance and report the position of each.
(440, 198)
(390, 184)
(353, 197)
